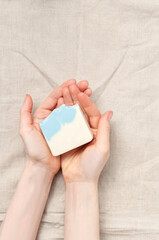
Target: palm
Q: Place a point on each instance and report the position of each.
(35, 140)
(75, 163)
(81, 164)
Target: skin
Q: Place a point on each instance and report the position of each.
(36, 147)
(81, 169)
(81, 178)
(27, 205)
(75, 164)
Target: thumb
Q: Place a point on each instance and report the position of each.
(26, 120)
(103, 132)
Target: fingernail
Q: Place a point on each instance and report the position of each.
(25, 97)
(110, 116)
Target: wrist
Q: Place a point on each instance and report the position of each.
(82, 183)
(85, 190)
(36, 170)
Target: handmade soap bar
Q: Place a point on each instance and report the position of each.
(65, 129)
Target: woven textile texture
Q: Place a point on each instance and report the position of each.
(115, 46)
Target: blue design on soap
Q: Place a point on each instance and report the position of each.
(59, 116)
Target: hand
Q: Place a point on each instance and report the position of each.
(85, 163)
(37, 150)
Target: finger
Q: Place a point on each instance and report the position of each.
(26, 119)
(103, 132)
(67, 96)
(60, 102)
(88, 92)
(51, 101)
(90, 108)
(82, 85)
(74, 90)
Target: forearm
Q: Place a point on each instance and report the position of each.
(26, 208)
(81, 211)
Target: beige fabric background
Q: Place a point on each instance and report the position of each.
(114, 44)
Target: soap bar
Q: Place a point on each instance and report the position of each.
(65, 129)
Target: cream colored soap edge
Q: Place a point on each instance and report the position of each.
(79, 125)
